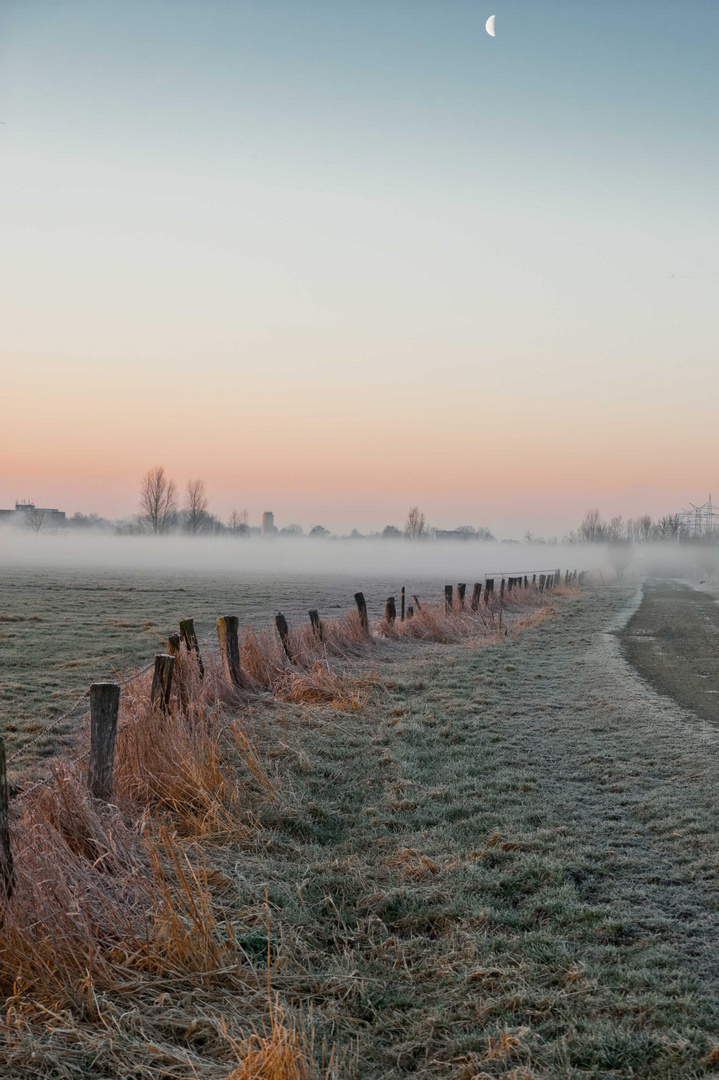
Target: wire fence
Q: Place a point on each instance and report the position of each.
(81, 706)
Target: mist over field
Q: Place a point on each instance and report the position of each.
(279, 556)
(358, 559)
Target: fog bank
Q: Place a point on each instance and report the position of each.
(285, 556)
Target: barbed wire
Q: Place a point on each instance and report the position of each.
(52, 778)
(38, 738)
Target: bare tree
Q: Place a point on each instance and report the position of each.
(669, 527)
(195, 510)
(237, 523)
(415, 527)
(35, 519)
(158, 500)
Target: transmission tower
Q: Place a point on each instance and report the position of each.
(701, 520)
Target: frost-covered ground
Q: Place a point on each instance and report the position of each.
(62, 628)
(505, 864)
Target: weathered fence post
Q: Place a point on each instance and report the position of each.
(284, 631)
(542, 580)
(317, 627)
(461, 590)
(188, 635)
(7, 870)
(401, 605)
(476, 595)
(526, 582)
(558, 578)
(488, 589)
(416, 602)
(501, 591)
(162, 680)
(410, 612)
(510, 584)
(173, 645)
(390, 611)
(228, 636)
(448, 601)
(362, 609)
(534, 579)
(104, 709)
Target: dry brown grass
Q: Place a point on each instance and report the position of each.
(281, 1053)
(115, 902)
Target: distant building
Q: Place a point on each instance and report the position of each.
(52, 517)
(268, 523)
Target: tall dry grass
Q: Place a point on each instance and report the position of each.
(112, 900)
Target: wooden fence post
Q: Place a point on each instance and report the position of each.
(534, 579)
(362, 609)
(228, 627)
(461, 590)
(401, 605)
(104, 709)
(188, 635)
(7, 870)
(416, 602)
(488, 589)
(542, 580)
(162, 681)
(317, 626)
(284, 631)
(476, 595)
(501, 591)
(173, 645)
(390, 610)
(410, 612)
(448, 601)
(510, 584)
(526, 582)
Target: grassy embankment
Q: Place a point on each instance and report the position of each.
(469, 865)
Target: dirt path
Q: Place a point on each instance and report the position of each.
(673, 641)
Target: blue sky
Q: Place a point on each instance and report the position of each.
(321, 207)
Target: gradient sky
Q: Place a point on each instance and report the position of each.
(340, 257)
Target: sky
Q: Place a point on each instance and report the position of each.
(340, 257)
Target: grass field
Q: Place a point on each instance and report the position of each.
(61, 629)
(502, 862)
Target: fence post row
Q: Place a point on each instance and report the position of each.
(362, 609)
(104, 709)
(7, 870)
(317, 626)
(228, 636)
(390, 610)
(162, 681)
(284, 631)
(188, 635)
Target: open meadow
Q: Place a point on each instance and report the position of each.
(489, 855)
(77, 610)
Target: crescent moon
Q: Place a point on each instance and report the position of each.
(489, 25)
